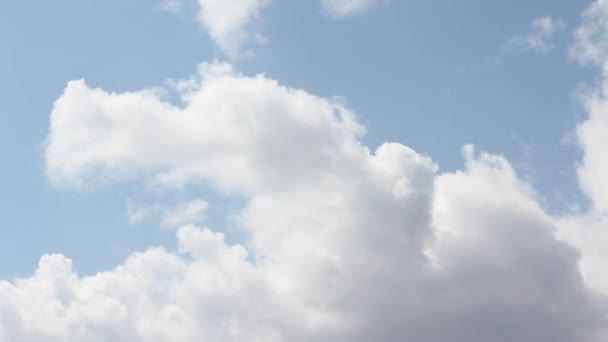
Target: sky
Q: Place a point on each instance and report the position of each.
(290, 170)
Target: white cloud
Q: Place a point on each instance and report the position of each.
(341, 262)
(286, 135)
(593, 138)
(231, 24)
(591, 47)
(588, 230)
(343, 8)
(539, 38)
(343, 244)
(591, 38)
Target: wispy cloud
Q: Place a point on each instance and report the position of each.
(539, 38)
(172, 6)
(170, 216)
(591, 38)
(344, 8)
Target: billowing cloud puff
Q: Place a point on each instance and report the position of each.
(342, 243)
(247, 134)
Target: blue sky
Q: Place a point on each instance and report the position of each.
(433, 75)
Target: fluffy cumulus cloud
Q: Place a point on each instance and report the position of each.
(589, 231)
(539, 38)
(246, 134)
(343, 243)
(343, 8)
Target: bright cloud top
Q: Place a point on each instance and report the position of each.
(539, 38)
(248, 134)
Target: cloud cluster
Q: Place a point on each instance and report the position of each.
(539, 38)
(343, 243)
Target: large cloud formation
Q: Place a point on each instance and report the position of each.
(343, 243)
